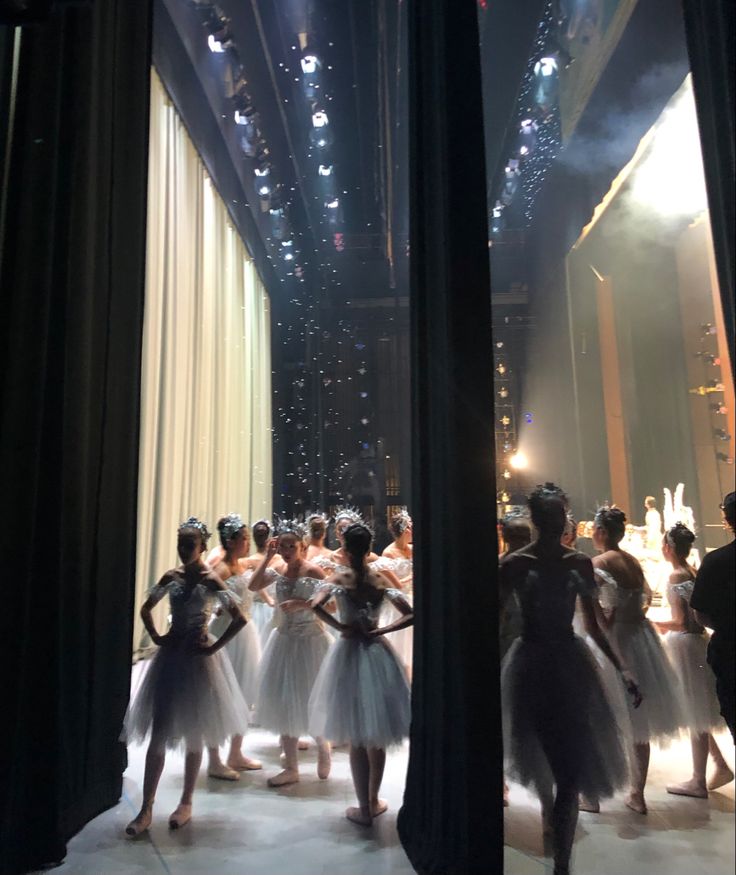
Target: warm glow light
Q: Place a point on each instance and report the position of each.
(519, 461)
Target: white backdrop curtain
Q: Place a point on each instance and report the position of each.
(205, 445)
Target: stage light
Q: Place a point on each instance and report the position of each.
(263, 180)
(519, 461)
(319, 119)
(310, 63)
(506, 474)
(504, 497)
(287, 250)
(320, 137)
(501, 368)
(546, 66)
(215, 45)
(325, 170)
(503, 392)
(505, 421)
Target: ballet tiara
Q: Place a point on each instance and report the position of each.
(194, 523)
(230, 525)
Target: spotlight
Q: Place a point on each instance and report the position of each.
(503, 392)
(333, 204)
(546, 66)
(504, 497)
(519, 461)
(501, 368)
(505, 421)
(325, 170)
(310, 63)
(287, 250)
(506, 474)
(319, 119)
(263, 180)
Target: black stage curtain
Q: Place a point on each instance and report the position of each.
(72, 273)
(451, 821)
(710, 26)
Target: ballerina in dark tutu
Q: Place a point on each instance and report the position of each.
(559, 726)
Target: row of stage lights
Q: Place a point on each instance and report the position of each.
(221, 41)
(538, 139)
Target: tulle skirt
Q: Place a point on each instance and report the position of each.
(190, 699)
(660, 715)
(263, 617)
(688, 654)
(289, 668)
(244, 652)
(403, 640)
(361, 695)
(554, 701)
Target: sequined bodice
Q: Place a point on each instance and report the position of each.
(683, 589)
(191, 605)
(547, 601)
(628, 602)
(304, 622)
(238, 586)
(351, 610)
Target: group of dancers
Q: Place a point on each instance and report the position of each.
(295, 638)
(581, 710)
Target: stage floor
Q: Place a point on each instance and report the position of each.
(300, 830)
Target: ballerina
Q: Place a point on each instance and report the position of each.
(264, 606)
(344, 518)
(624, 596)
(361, 695)
(559, 727)
(401, 555)
(189, 694)
(294, 653)
(317, 528)
(245, 649)
(687, 646)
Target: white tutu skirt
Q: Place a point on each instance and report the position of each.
(688, 654)
(190, 699)
(262, 616)
(289, 668)
(244, 652)
(361, 696)
(403, 640)
(660, 715)
(554, 700)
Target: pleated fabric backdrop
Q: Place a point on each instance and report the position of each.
(205, 442)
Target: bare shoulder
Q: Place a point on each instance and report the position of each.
(390, 552)
(212, 580)
(311, 570)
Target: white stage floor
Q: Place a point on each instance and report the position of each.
(246, 827)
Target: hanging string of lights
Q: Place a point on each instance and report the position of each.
(712, 389)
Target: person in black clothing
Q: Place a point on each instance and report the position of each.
(713, 603)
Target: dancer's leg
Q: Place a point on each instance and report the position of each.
(640, 767)
(696, 785)
(183, 812)
(155, 758)
(290, 774)
(564, 818)
(324, 758)
(237, 760)
(377, 764)
(723, 774)
(217, 769)
(360, 768)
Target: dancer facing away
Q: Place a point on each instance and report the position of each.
(189, 694)
(516, 532)
(361, 695)
(713, 603)
(317, 529)
(687, 646)
(559, 727)
(244, 650)
(624, 595)
(294, 653)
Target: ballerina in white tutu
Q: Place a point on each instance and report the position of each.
(559, 727)
(624, 595)
(264, 604)
(344, 518)
(244, 650)
(294, 653)
(400, 554)
(317, 532)
(189, 694)
(687, 646)
(361, 695)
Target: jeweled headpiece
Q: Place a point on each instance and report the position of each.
(194, 523)
(291, 527)
(263, 522)
(401, 521)
(348, 513)
(230, 525)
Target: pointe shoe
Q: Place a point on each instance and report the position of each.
(324, 761)
(140, 823)
(288, 776)
(688, 788)
(379, 807)
(591, 806)
(355, 815)
(180, 817)
(302, 744)
(223, 773)
(720, 778)
(636, 803)
(245, 764)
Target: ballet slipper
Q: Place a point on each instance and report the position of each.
(181, 816)
(302, 744)
(591, 806)
(688, 788)
(223, 773)
(379, 807)
(324, 761)
(244, 764)
(356, 815)
(140, 823)
(635, 801)
(720, 778)
(288, 776)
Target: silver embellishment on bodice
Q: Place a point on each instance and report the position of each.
(304, 622)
